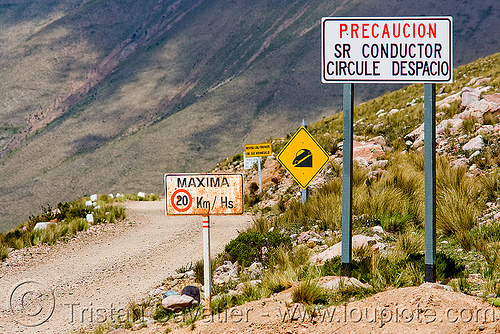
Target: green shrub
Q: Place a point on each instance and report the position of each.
(248, 247)
(4, 252)
(309, 292)
(395, 222)
(486, 240)
(275, 281)
(447, 267)
(199, 269)
(408, 243)
(332, 267)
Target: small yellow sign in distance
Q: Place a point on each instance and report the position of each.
(303, 157)
(258, 150)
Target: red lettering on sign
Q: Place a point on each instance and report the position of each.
(343, 28)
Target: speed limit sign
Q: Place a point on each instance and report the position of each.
(181, 200)
(204, 194)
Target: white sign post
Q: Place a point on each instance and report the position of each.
(387, 49)
(204, 195)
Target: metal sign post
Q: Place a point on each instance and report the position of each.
(389, 50)
(430, 181)
(260, 175)
(207, 264)
(347, 149)
(305, 192)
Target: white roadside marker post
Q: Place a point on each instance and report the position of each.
(207, 265)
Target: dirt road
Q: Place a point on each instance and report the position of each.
(93, 277)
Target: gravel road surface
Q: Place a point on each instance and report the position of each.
(67, 286)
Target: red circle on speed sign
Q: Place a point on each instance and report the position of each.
(184, 200)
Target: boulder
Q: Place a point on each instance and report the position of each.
(253, 283)
(485, 129)
(419, 142)
(462, 162)
(255, 270)
(304, 236)
(475, 143)
(40, 226)
(358, 241)
(469, 96)
(337, 283)
(430, 285)
(475, 154)
(493, 98)
(368, 151)
(178, 302)
(380, 163)
(453, 124)
(379, 140)
(445, 103)
(191, 291)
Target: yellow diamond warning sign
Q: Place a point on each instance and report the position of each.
(303, 157)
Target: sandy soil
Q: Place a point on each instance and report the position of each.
(406, 310)
(60, 288)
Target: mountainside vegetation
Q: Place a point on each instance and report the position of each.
(388, 194)
(101, 96)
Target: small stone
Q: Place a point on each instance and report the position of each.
(179, 276)
(475, 276)
(437, 286)
(311, 243)
(475, 143)
(40, 226)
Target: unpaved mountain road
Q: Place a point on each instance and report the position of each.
(94, 276)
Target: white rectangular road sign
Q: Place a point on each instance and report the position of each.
(249, 162)
(204, 194)
(387, 49)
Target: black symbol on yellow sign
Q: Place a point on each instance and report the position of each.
(303, 158)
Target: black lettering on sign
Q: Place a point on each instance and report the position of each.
(182, 200)
(202, 182)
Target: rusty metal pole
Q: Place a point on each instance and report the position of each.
(207, 265)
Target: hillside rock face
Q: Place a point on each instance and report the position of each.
(475, 105)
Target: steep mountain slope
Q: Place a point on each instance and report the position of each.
(107, 95)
